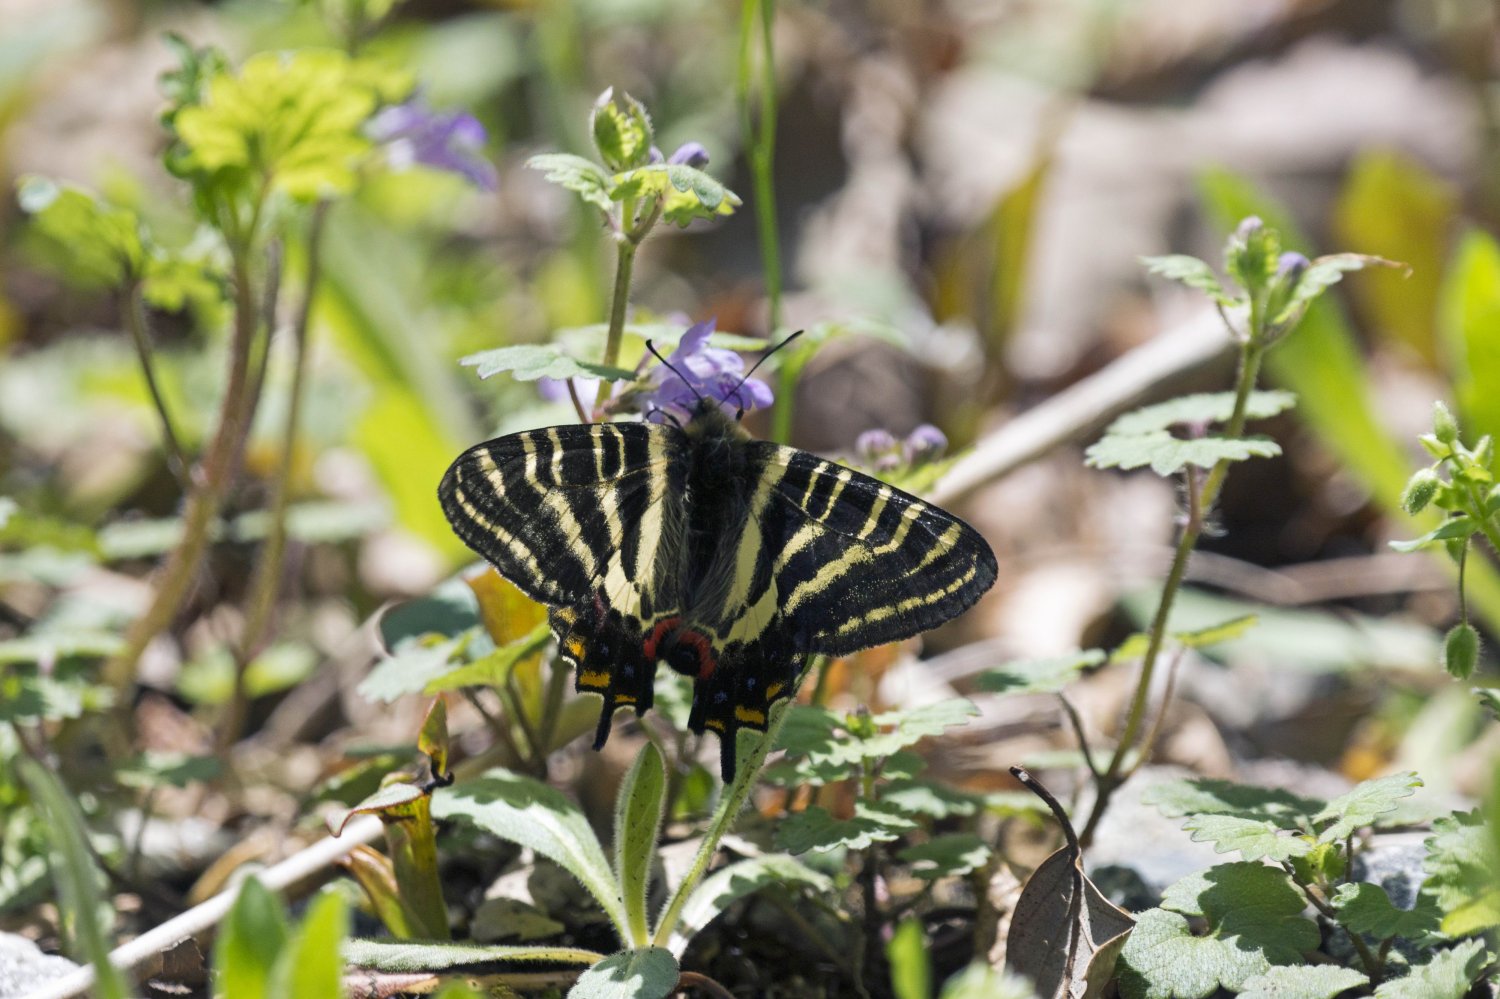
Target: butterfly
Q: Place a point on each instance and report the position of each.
(730, 559)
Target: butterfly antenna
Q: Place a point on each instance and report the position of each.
(673, 368)
(736, 391)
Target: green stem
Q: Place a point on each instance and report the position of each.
(1199, 507)
(729, 809)
(266, 577)
(761, 154)
(135, 318)
(624, 266)
(201, 509)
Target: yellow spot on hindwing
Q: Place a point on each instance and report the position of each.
(749, 716)
(594, 680)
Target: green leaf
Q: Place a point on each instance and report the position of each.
(249, 942)
(1038, 676)
(506, 918)
(78, 881)
(648, 973)
(1470, 312)
(816, 829)
(1463, 873)
(638, 813)
(92, 243)
(491, 669)
(396, 956)
(1303, 981)
(946, 855)
(411, 668)
(52, 646)
(291, 121)
(311, 966)
(1361, 805)
(1253, 905)
(927, 797)
(530, 361)
(154, 768)
(1224, 631)
(911, 969)
(1206, 796)
(1168, 455)
(584, 178)
(1190, 271)
(1447, 976)
(814, 732)
(1324, 273)
(1163, 960)
(528, 812)
(686, 193)
(1255, 921)
(728, 885)
(1452, 529)
(622, 130)
(910, 726)
(1366, 908)
(1253, 839)
(1202, 409)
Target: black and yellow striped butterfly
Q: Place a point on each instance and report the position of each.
(730, 559)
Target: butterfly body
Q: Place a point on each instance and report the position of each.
(729, 559)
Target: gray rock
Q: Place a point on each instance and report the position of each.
(24, 968)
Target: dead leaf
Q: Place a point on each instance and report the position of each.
(1064, 934)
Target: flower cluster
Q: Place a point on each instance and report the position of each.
(697, 371)
(881, 450)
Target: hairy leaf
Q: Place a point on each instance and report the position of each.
(426, 955)
(1190, 271)
(728, 885)
(1463, 873)
(1168, 455)
(584, 178)
(686, 193)
(531, 361)
(648, 973)
(1447, 976)
(1364, 803)
(1207, 796)
(1253, 839)
(1202, 409)
(1303, 981)
(1038, 676)
(816, 829)
(947, 855)
(1366, 908)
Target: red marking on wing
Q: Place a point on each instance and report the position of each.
(663, 627)
(694, 640)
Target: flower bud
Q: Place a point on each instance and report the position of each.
(1290, 267)
(925, 443)
(1461, 651)
(622, 131)
(872, 445)
(1420, 489)
(1444, 426)
(690, 154)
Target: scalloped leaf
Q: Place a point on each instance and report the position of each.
(1253, 839)
(686, 193)
(1366, 908)
(525, 811)
(583, 177)
(1190, 271)
(1302, 981)
(1168, 455)
(1463, 873)
(816, 829)
(1322, 274)
(1364, 803)
(100, 243)
(1207, 796)
(1448, 975)
(529, 361)
(947, 855)
(1200, 409)
(648, 973)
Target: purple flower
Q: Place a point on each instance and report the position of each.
(1290, 266)
(1249, 226)
(697, 371)
(690, 154)
(872, 445)
(924, 443)
(415, 135)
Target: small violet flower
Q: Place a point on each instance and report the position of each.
(1290, 267)
(702, 372)
(688, 154)
(924, 443)
(415, 135)
(873, 445)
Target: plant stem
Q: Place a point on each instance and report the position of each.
(729, 809)
(626, 245)
(135, 318)
(210, 480)
(266, 578)
(1199, 507)
(761, 153)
